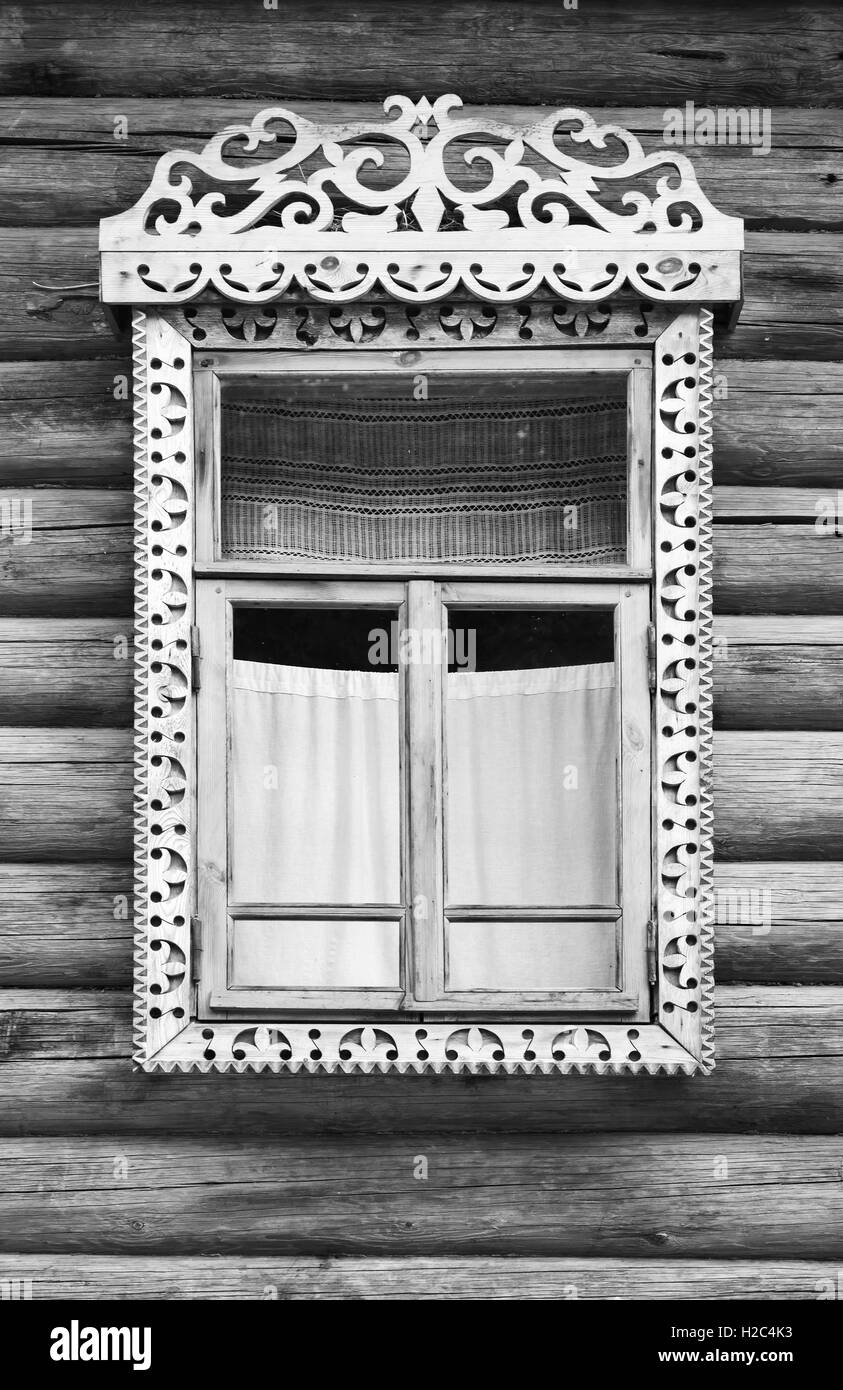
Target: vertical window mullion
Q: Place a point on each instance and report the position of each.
(423, 733)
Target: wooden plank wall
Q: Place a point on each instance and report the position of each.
(647, 1187)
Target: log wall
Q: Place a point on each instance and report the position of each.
(115, 1182)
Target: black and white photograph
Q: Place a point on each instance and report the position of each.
(421, 672)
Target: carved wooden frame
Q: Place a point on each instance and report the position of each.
(641, 278)
(167, 1036)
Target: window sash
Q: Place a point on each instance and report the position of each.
(421, 605)
(213, 369)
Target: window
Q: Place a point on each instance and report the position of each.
(414, 791)
(423, 563)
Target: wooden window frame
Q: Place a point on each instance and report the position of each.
(170, 1034)
(421, 605)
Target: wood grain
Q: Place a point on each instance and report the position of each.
(735, 1197)
(497, 52)
(420, 1278)
(66, 671)
(64, 925)
(103, 1096)
(779, 921)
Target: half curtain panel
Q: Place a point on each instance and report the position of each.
(350, 477)
(531, 778)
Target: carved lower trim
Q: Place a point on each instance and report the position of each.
(431, 1047)
(451, 324)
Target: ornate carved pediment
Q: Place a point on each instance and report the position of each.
(424, 204)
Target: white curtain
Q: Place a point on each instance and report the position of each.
(315, 804)
(532, 787)
(531, 778)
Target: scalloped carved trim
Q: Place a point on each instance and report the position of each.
(452, 324)
(163, 742)
(489, 273)
(683, 742)
(493, 1046)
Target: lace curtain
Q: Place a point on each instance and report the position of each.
(374, 478)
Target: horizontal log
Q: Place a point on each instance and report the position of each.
(65, 550)
(69, 552)
(70, 925)
(422, 1277)
(66, 671)
(596, 1195)
(778, 795)
(67, 794)
(772, 504)
(778, 423)
(66, 925)
(778, 568)
(778, 673)
(104, 1096)
(793, 293)
(710, 54)
(66, 423)
(770, 673)
(62, 161)
(779, 922)
(752, 1021)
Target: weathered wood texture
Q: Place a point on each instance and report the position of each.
(500, 52)
(69, 925)
(753, 1021)
(779, 921)
(66, 924)
(604, 1197)
(263, 1194)
(788, 1094)
(419, 1278)
(780, 1069)
(66, 671)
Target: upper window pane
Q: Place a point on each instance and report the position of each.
(451, 466)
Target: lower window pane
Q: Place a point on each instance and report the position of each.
(538, 956)
(312, 954)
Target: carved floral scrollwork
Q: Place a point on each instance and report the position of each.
(419, 205)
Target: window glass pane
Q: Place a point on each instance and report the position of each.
(314, 814)
(453, 466)
(534, 956)
(315, 954)
(531, 757)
